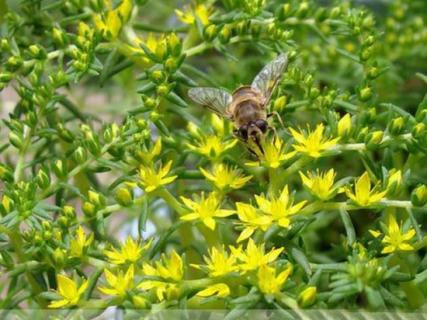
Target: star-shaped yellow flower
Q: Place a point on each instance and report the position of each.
(120, 283)
(129, 252)
(150, 179)
(225, 177)
(252, 219)
(205, 210)
(320, 184)
(80, 242)
(218, 263)
(189, 15)
(68, 290)
(254, 256)
(270, 283)
(395, 239)
(313, 143)
(363, 195)
(279, 208)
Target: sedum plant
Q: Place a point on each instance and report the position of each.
(117, 191)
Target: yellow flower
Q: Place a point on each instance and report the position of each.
(78, 244)
(171, 270)
(344, 125)
(111, 22)
(320, 184)
(152, 179)
(147, 156)
(268, 282)
(395, 238)
(272, 154)
(219, 263)
(205, 210)
(219, 289)
(189, 15)
(279, 208)
(314, 142)
(252, 219)
(363, 194)
(307, 296)
(254, 256)
(225, 177)
(211, 146)
(69, 292)
(118, 284)
(130, 252)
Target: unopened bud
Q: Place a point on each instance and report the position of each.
(365, 93)
(80, 155)
(88, 209)
(307, 297)
(344, 126)
(124, 197)
(60, 168)
(225, 34)
(396, 125)
(419, 196)
(374, 139)
(43, 179)
(210, 32)
(280, 103)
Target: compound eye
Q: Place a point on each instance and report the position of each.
(243, 132)
(262, 125)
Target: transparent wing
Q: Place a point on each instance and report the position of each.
(215, 99)
(267, 79)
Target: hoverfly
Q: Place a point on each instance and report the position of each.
(246, 107)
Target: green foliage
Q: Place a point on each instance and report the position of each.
(116, 190)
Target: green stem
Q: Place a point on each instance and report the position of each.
(164, 193)
(19, 169)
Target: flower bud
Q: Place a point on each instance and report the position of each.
(69, 212)
(394, 181)
(88, 209)
(124, 197)
(302, 10)
(139, 302)
(373, 139)
(314, 93)
(96, 198)
(59, 37)
(172, 64)
(419, 130)
(43, 178)
(59, 167)
(174, 44)
(419, 196)
(373, 72)
(225, 34)
(344, 126)
(64, 133)
(59, 256)
(396, 126)
(80, 155)
(37, 52)
(210, 32)
(14, 63)
(163, 89)
(157, 76)
(161, 51)
(307, 297)
(365, 93)
(5, 173)
(280, 103)
(4, 45)
(16, 139)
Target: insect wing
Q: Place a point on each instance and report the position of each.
(267, 79)
(215, 99)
